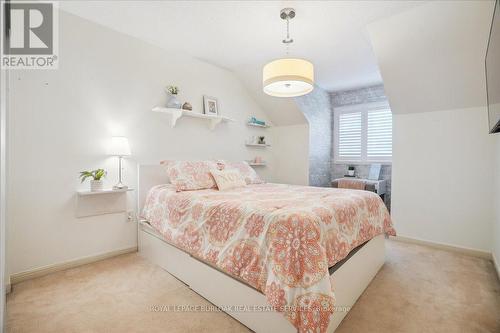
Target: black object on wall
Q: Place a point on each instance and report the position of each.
(6, 13)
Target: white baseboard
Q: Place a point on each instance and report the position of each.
(444, 246)
(41, 271)
(496, 263)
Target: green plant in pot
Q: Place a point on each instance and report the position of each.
(96, 181)
(350, 170)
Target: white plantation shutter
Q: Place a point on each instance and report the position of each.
(379, 132)
(363, 133)
(349, 138)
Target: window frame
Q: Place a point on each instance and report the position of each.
(364, 109)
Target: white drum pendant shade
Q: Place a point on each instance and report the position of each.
(288, 77)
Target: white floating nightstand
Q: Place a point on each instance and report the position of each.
(108, 201)
(107, 191)
(176, 114)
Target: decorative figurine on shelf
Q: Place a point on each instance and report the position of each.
(187, 106)
(261, 140)
(255, 121)
(96, 183)
(173, 102)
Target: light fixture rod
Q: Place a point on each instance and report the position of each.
(287, 14)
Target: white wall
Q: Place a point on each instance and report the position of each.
(496, 227)
(291, 154)
(431, 57)
(3, 127)
(60, 121)
(442, 175)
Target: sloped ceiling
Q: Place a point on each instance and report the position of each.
(432, 56)
(243, 35)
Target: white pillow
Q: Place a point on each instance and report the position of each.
(228, 178)
(245, 169)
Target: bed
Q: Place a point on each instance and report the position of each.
(276, 257)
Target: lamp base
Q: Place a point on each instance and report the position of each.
(120, 186)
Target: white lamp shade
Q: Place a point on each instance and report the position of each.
(288, 77)
(119, 146)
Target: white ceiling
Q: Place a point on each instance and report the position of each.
(234, 34)
(432, 57)
(243, 35)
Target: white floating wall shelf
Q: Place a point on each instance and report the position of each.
(260, 145)
(258, 125)
(257, 164)
(176, 114)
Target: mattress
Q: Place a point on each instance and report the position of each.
(279, 239)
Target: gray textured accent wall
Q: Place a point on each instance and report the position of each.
(317, 109)
(352, 97)
(358, 96)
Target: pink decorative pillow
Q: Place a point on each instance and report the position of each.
(190, 175)
(228, 178)
(246, 170)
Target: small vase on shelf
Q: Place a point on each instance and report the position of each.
(173, 102)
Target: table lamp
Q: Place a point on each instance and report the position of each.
(119, 147)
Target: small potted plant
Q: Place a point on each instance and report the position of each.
(173, 102)
(96, 183)
(350, 170)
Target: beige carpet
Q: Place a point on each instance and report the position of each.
(419, 289)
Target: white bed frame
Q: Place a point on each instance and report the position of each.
(350, 279)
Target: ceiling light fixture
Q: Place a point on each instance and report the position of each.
(288, 77)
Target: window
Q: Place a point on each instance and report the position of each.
(363, 133)
(349, 137)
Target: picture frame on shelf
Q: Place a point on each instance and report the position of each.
(375, 171)
(210, 105)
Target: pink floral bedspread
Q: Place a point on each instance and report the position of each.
(280, 239)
